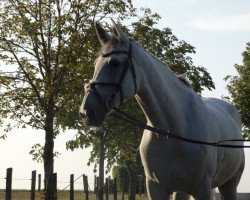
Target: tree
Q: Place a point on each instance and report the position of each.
(120, 173)
(239, 90)
(48, 46)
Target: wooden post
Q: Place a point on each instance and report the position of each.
(110, 184)
(123, 188)
(39, 182)
(140, 185)
(115, 189)
(95, 184)
(107, 188)
(33, 185)
(86, 187)
(72, 187)
(97, 187)
(144, 185)
(55, 185)
(8, 184)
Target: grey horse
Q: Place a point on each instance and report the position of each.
(123, 70)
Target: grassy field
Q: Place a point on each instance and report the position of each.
(79, 195)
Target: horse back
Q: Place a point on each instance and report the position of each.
(225, 116)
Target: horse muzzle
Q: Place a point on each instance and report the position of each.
(92, 111)
(91, 118)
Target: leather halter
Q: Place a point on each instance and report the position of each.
(118, 85)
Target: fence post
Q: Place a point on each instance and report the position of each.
(39, 182)
(115, 189)
(55, 185)
(123, 188)
(140, 185)
(71, 186)
(107, 188)
(110, 185)
(144, 185)
(95, 184)
(33, 185)
(97, 187)
(8, 184)
(86, 187)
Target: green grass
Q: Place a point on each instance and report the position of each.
(64, 195)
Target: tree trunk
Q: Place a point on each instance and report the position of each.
(48, 157)
(132, 181)
(101, 163)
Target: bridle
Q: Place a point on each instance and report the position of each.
(128, 64)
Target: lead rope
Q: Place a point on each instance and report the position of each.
(129, 119)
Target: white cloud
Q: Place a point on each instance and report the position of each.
(222, 23)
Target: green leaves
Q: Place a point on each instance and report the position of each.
(239, 90)
(36, 152)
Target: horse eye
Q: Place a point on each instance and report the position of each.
(114, 62)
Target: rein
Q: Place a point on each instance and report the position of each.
(129, 119)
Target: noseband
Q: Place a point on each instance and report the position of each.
(118, 85)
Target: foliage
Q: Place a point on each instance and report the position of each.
(3, 136)
(120, 173)
(37, 152)
(47, 47)
(239, 90)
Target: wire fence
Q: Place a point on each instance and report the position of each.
(8, 185)
(67, 188)
(63, 183)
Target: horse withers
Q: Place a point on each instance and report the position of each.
(123, 70)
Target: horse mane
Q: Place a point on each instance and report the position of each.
(182, 77)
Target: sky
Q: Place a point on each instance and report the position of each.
(219, 30)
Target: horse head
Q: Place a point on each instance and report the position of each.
(114, 79)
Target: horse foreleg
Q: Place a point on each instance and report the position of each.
(156, 191)
(181, 196)
(228, 190)
(204, 193)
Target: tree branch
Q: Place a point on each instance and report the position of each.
(25, 73)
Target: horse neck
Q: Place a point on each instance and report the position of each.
(161, 94)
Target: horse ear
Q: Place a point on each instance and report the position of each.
(116, 31)
(119, 35)
(102, 35)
